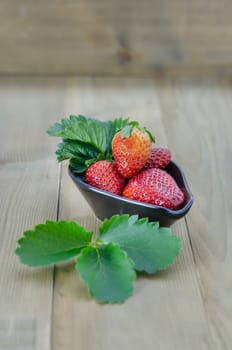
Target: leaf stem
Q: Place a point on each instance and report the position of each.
(96, 244)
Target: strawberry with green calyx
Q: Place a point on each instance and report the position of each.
(131, 149)
(160, 157)
(85, 140)
(104, 175)
(155, 186)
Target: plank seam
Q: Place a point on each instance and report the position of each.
(54, 267)
(58, 192)
(190, 240)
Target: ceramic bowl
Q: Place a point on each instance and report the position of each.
(105, 204)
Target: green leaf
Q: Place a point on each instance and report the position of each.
(87, 132)
(77, 166)
(127, 130)
(113, 127)
(80, 128)
(108, 272)
(80, 154)
(57, 128)
(68, 149)
(150, 247)
(85, 140)
(52, 242)
(80, 166)
(95, 132)
(152, 137)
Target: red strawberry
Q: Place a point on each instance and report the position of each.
(104, 175)
(131, 149)
(155, 186)
(160, 157)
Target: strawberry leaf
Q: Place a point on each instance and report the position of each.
(58, 128)
(52, 242)
(112, 127)
(108, 272)
(88, 132)
(79, 128)
(150, 247)
(81, 155)
(127, 130)
(68, 149)
(152, 137)
(85, 140)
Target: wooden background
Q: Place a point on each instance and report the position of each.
(189, 305)
(166, 64)
(113, 37)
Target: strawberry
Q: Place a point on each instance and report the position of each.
(160, 157)
(104, 175)
(154, 186)
(131, 148)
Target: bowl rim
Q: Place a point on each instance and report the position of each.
(79, 178)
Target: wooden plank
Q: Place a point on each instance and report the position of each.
(28, 197)
(28, 107)
(28, 187)
(114, 37)
(200, 109)
(166, 310)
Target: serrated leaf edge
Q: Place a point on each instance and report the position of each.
(179, 246)
(133, 277)
(26, 233)
(141, 221)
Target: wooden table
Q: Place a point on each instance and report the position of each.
(189, 305)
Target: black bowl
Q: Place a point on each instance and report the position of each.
(105, 204)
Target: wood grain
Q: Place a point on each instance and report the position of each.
(166, 310)
(28, 191)
(188, 306)
(115, 37)
(29, 106)
(200, 109)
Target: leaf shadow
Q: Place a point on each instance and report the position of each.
(69, 284)
(159, 275)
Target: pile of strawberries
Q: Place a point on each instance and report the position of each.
(137, 171)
